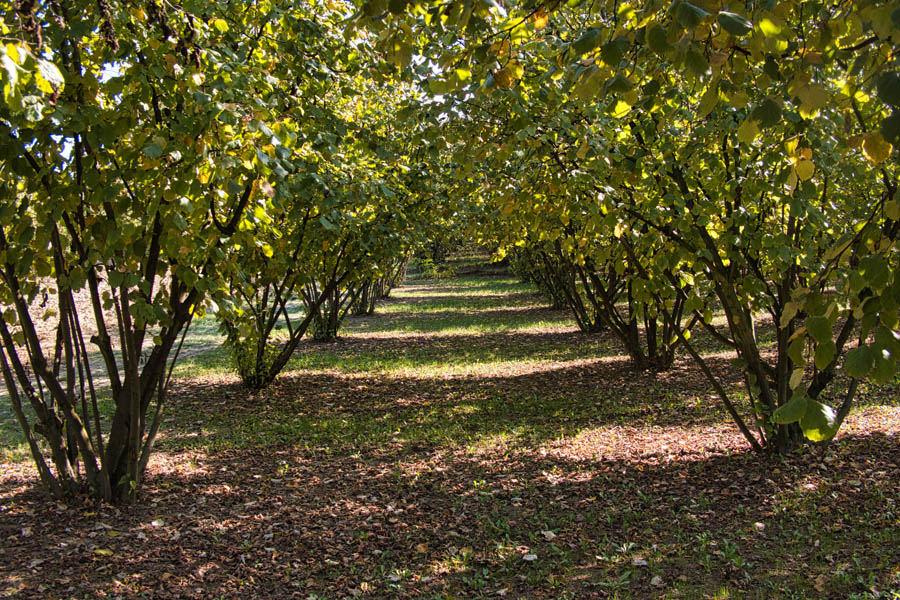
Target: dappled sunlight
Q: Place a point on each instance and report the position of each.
(424, 462)
(491, 368)
(448, 353)
(456, 320)
(651, 444)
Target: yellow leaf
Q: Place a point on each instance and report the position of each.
(813, 57)
(805, 169)
(790, 146)
(792, 181)
(504, 78)
(516, 69)
(501, 49)
(12, 51)
(769, 27)
(582, 150)
(740, 100)
(875, 147)
(540, 19)
(621, 109)
(103, 552)
(717, 59)
(812, 96)
(796, 378)
(747, 131)
(709, 100)
(892, 209)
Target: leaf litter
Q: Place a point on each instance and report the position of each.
(405, 486)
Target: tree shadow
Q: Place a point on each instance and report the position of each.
(402, 522)
(437, 320)
(488, 396)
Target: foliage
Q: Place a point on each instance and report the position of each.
(536, 267)
(740, 157)
(669, 160)
(173, 135)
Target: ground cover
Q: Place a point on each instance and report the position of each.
(466, 442)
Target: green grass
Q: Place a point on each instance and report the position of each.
(479, 366)
(475, 410)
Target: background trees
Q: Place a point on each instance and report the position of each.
(129, 173)
(655, 163)
(726, 157)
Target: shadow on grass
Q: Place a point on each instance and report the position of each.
(432, 320)
(404, 522)
(463, 302)
(365, 354)
(521, 403)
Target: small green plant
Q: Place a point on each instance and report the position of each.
(249, 358)
(428, 269)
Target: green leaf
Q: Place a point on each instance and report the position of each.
(887, 339)
(34, 108)
(397, 7)
(890, 128)
(614, 51)
(796, 378)
(688, 15)
(747, 131)
(791, 411)
(696, 63)
(734, 23)
(767, 114)
(152, 150)
(858, 361)
(658, 39)
(618, 84)
(889, 88)
(327, 224)
(885, 368)
(825, 353)
(819, 328)
(795, 350)
(819, 422)
(115, 278)
(589, 40)
(875, 270)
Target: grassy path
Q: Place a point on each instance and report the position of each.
(466, 442)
